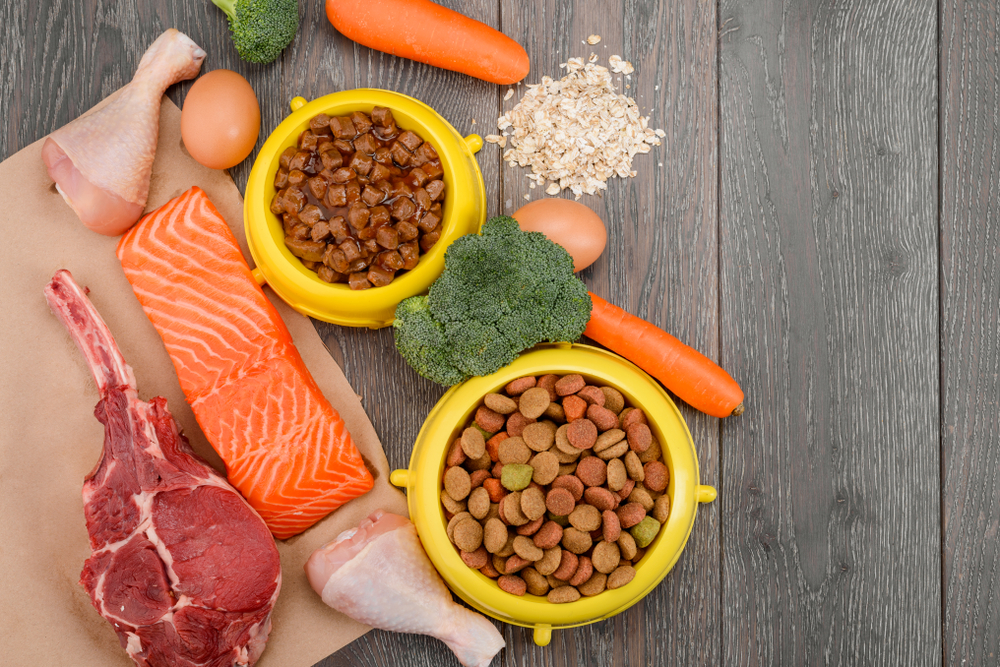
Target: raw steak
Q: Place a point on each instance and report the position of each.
(183, 569)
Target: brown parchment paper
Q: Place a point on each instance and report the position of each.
(50, 440)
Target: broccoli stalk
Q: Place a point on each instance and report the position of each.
(501, 292)
(261, 28)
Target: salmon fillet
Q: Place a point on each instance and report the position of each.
(285, 447)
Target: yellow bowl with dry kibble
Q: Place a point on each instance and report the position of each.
(446, 422)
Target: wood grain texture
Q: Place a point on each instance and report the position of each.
(828, 252)
(970, 322)
(660, 264)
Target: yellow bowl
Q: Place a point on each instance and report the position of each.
(452, 413)
(464, 211)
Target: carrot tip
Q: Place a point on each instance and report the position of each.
(737, 411)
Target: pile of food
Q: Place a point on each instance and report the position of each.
(556, 488)
(359, 199)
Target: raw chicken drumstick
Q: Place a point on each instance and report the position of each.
(379, 575)
(101, 162)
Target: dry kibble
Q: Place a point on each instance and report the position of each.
(533, 402)
(567, 566)
(571, 484)
(626, 544)
(634, 467)
(507, 550)
(531, 527)
(537, 583)
(450, 504)
(510, 509)
(654, 453)
(548, 383)
(489, 420)
(499, 403)
(493, 445)
(494, 488)
(489, 570)
(563, 458)
(641, 496)
(639, 437)
(626, 490)
(608, 438)
(567, 469)
(562, 442)
(457, 483)
(621, 576)
(569, 384)
(613, 399)
(643, 533)
(611, 527)
(560, 501)
(601, 498)
(519, 386)
(513, 450)
(603, 418)
(633, 416)
(450, 528)
(468, 534)
(479, 503)
(475, 559)
(584, 570)
(581, 433)
(617, 474)
(482, 463)
(592, 471)
(540, 436)
(494, 535)
(515, 564)
(516, 423)
(533, 503)
(614, 452)
(494, 513)
(656, 476)
(555, 583)
(563, 594)
(546, 467)
(631, 514)
(555, 412)
(576, 541)
(550, 562)
(593, 395)
(512, 584)
(585, 518)
(596, 584)
(498, 563)
(456, 456)
(473, 443)
(606, 557)
(574, 408)
(661, 509)
(516, 476)
(477, 477)
(526, 549)
(549, 535)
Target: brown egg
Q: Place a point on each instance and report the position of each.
(570, 224)
(220, 119)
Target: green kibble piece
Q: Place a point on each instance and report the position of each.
(561, 520)
(645, 531)
(516, 476)
(486, 434)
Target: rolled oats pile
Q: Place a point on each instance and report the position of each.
(576, 132)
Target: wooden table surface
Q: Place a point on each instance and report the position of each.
(823, 219)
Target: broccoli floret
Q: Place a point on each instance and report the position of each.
(261, 28)
(502, 291)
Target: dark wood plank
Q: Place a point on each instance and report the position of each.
(396, 399)
(970, 321)
(660, 264)
(829, 303)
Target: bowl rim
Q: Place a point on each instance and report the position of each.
(640, 390)
(337, 303)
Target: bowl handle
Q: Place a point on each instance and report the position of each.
(258, 276)
(474, 142)
(297, 103)
(543, 634)
(707, 494)
(399, 478)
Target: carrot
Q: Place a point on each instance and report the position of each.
(696, 379)
(429, 33)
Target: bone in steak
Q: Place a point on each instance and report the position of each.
(182, 567)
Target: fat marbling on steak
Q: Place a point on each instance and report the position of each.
(182, 567)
